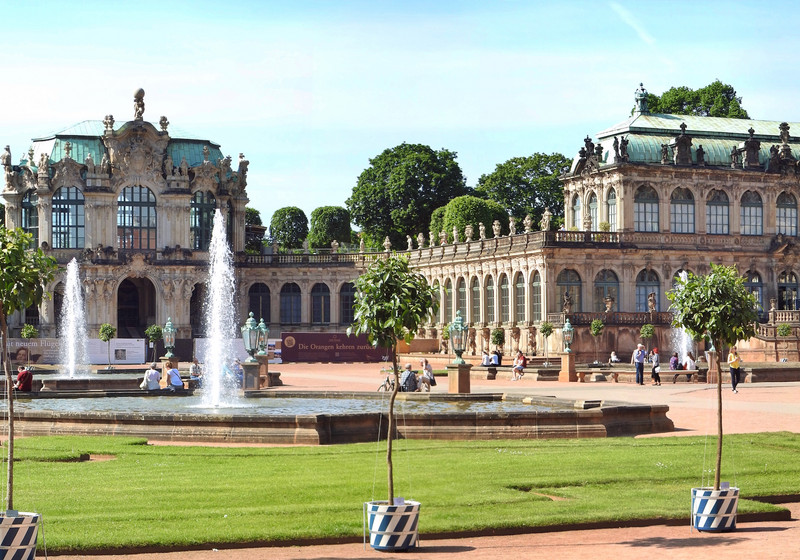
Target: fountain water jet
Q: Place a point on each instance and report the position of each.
(682, 343)
(74, 353)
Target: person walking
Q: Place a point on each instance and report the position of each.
(735, 364)
(637, 359)
(655, 373)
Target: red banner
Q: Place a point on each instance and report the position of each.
(329, 347)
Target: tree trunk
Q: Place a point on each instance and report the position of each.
(10, 400)
(390, 433)
(719, 417)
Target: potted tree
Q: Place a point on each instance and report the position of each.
(546, 328)
(596, 329)
(24, 273)
(647, 332)
(720, 305)
(153, 334)
(499, 339)
(783, 330)
(391, 304)
(107, 332)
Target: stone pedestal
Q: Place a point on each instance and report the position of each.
(458, 378)
(567, 373)
(250, 381)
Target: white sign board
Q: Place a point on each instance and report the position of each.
(123, 351)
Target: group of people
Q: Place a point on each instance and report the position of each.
(640, 357)
(496, 359)
(493, 359)
(411, 382)
(174, 382)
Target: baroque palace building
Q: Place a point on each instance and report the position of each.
(651, 197)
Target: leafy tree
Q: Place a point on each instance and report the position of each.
(437, 221)
(527, 185)
(647, 332)
(596, 329)
(720, 305)
(329, 223)
(252, 217)
(391, 303)
(154, 333)
(498, 338)
(107, 332)
(396, 195)
(714, 100)
(546, 328)
(29, 331)
(464, 210)
(23, 275)
(289, 227)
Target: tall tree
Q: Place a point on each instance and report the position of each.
(471, 210)
(527, 185)
(397, 193)
(714, 100)
(329, 223)
(252, 217)
(288, 227)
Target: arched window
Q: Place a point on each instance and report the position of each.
(347, 301)
(30, 216)
(717, 213)
(320, 304)
(290, 304)
(606, 284)
(647, 283)
(438, 297)
(461, 297)
(681, 211)
(787, 290)
(786, 219)
(569, 282)
(611, 205)
(536, 296)
(645, 209)
(476, 301)
(448, 301)
(201, 219)
(505, 304)
(751, 216)
(258, 301)
(519, 297)
(68, 219)
(752, 281)
(490, 318)
(576, 211)
(136, 218)
(593, 211)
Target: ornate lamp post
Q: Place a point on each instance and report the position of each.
(263, 335)
(567, 372)
(457, 335)
(458, 371)
(169, 338)
(250, 337)
(567, 331)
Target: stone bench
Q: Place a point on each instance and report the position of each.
(492, 371)
(692, 375)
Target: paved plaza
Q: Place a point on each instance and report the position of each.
(757, 407)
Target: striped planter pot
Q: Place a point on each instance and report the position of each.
(18, 535)
(714, 510)
(392, 527)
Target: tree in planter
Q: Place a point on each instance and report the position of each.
(499, 339)
(154, 334)
(596, 328)
(445, 339)
(391, 303)
(546, 328)
(23, 275)
(647, 332)
(784, 330)
(29, 331)
(107, 332)
(720, 305)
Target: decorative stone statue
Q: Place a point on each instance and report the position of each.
(496, 228)
(420, 240)
(361, 245)
(164, 123)
(305, 245)
(243, 165)
(455, 234)
(544, 224)
(512, 225)
(168, 165)
(471, 341)
(387, 244)
(138, 104)
(527, 223)
(431, 239)
(700, 154)
(587, 222)
(105, 165)
(682, 146)
(410, 242)
(108, 122)
(68, 150)
(567, 306)
(532, 346)
(623, 149)
(481, 231)
(664, 154)
(616, 150)
(206, 153)
(44, 161)
(30, 157)
(734, 157)
(752, 147)
(184, 167)
(89, 162)
(651, 302)
(609, 301)
(772, 303)
(334, 246)
(5, 158)
(641, 99)
(443, 237)
(468, 233)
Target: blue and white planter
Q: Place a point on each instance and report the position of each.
(18, 531)
(392, 527)
(714, 510)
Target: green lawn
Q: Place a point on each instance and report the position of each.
(177, 496)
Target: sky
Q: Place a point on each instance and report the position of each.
(310, 91)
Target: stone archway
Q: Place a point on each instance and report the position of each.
(196, 309)
(136, 307)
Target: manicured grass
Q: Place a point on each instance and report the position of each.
(178, 496)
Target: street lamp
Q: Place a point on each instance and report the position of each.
(263, 335)
(567, 331)
(250, 337)
(168, 334)
(457, 329)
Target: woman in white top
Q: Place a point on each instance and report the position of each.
(174, 380)
(152, 378)
(426, 379)
(689, 364)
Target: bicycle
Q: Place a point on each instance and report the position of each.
(387, 385)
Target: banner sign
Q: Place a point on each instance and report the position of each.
(329, 347)
(24, 351)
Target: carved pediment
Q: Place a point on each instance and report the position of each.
(67, 173)
(204, 176)
(137, 152)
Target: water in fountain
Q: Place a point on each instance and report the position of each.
(74, 346)
(681, 342)
(219, 319)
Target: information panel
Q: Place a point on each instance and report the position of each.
(329, 347)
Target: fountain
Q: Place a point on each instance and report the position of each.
(74, 352)
(680, 340)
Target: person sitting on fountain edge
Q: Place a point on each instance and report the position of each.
(24, 379)
(174, 381)
(152, 379)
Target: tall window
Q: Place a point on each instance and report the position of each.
(448, 301)
(752, 281)
(461, 297)
(787, 290)
(490, 300)
(201, 220)
(476, 301)
(136, 218)
(606, 284)
(751, 217)
(519, 297)
(647, 283)
(536, 296)
(786, 219)
(290, 304)
(611, 205)
(681, 211)
(717, 213)
(569, 282)
(258, 301)
(68, 219)
(347, 300)
(320, 304)
(30, 216)
(645, 209)
(576, 211)
(593, 211)
(505, 304)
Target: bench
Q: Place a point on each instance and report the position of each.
(691, 375)
(492, 371)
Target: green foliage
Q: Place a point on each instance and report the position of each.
(647, 331)
(784, 329)
(471, 210)
(329, 223)
(288, 227)
(604, 226)
(107, 332)
(29, 331)
(396, 195)
(154, 333)
(714, 100)
(596, 328)
(498, 337)
(526, 185)
(437, 221)
(546, 328)
(252, 217)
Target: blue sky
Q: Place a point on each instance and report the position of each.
(311, 90)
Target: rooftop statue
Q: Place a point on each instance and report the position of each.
(138, 104)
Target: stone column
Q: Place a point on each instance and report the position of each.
(567, 373)
(458, 378)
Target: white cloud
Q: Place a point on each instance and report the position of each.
(634, 24)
